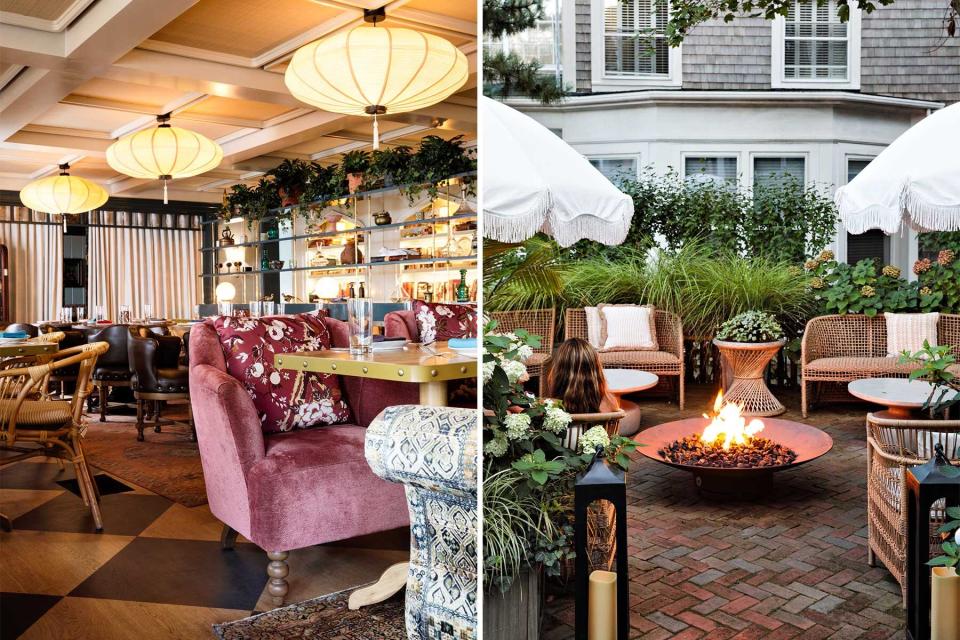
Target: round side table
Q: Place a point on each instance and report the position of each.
(623, 381)
(749, 390)
(902, 397)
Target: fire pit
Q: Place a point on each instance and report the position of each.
(727, 454)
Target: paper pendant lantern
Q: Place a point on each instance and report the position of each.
(373, 71)
(63, 194)
(164, 153)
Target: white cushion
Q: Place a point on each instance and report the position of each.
(627, 327)
(594, 327)
(908, 331)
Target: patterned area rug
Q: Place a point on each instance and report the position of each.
(167, 463)
(323, 618)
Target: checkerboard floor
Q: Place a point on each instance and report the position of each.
(792, 564)
(156, 572)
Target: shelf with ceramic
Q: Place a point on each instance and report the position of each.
(346, 232)
(349, 268)
(359, 195)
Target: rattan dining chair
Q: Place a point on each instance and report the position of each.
(892, 446)
(50, 426)
(538, 322)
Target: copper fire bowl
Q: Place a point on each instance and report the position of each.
(808, 442)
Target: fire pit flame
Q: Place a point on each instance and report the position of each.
(728, 422)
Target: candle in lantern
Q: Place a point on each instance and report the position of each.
(945, 604)
(603, 606)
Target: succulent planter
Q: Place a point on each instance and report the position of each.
(745, 363)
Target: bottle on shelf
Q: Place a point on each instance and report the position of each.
(363, 292)
(463, 291)
(353, 293)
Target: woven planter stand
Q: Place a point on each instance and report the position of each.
(749, 361)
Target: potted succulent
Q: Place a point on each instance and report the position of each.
(747, 343)
(355, 165)
(290, 178)
(390, 165)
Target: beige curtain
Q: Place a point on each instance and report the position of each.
(137, 266)
(35, 251)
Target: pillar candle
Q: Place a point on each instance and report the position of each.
(602, 623)
(945, 604)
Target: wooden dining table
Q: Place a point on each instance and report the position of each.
(27, 349)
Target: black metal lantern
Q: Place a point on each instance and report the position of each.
(927, 483)
(601, 481)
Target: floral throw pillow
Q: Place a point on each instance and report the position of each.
(284, 399)
(438, 321)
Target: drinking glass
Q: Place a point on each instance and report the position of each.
(255, 308)
(81, 313)
(147, 311)
(360, 324)
(225, 309)
(124, 317)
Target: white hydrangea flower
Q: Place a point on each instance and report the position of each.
(488, 368)
(524, 351)
(517, 425)
(556, 419)
(496, 447)
(594, 439)
(516, 371)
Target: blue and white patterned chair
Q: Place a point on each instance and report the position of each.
(432, 451)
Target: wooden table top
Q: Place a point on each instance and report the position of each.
(410, 364)
(27, 349)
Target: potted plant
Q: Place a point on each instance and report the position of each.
(390, 166)
(262, 198)
(290, 178)
(528, 487)
(747, 342)
(355, 165)
(239, 201)
(435, 161)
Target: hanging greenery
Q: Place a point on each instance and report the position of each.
(312, 185)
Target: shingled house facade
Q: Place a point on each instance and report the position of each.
(806, 94)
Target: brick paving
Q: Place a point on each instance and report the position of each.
(789, 565)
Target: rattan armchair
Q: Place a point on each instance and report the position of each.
(666, 363)
(583, 422)
(538, 322)
(892, 446)
(843, 348)
(50, 426)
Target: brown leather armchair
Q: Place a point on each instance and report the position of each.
(158, 376)
(113, 367)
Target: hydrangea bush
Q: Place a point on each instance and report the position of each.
(751, 326)
(527, 466)
(868, 288)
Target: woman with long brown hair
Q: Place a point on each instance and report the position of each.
(576, 379)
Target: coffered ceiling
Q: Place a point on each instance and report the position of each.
(77, 74)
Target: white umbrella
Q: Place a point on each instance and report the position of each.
(916, 180)
(534, 181)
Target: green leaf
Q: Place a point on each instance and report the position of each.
(540, 477)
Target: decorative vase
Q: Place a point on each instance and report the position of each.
(226, 238)
(748, 361)
(350, 253)
(382, 218)
(290, 198)
(272, 233)
(463, 291)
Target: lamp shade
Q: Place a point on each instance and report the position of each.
(164, 153)
(376, 70)
(63, 194)
(225, 292)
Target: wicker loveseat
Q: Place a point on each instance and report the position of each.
(539, 322)
(667, 362)
(851, 347)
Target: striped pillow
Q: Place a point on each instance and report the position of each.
(908, 331)
(627, 327)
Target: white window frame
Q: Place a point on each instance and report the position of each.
(598, 74)
(852, 81)
(711, 154)
(557, 67)
(774, 154)
(617, 156)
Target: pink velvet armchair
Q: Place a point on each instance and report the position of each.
(401, 324)
(285, 491)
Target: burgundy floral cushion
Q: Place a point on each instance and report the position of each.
(438, 321)
(284, 399)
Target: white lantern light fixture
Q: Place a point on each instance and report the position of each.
(63, 194)
(164, 153)
(373, 71)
